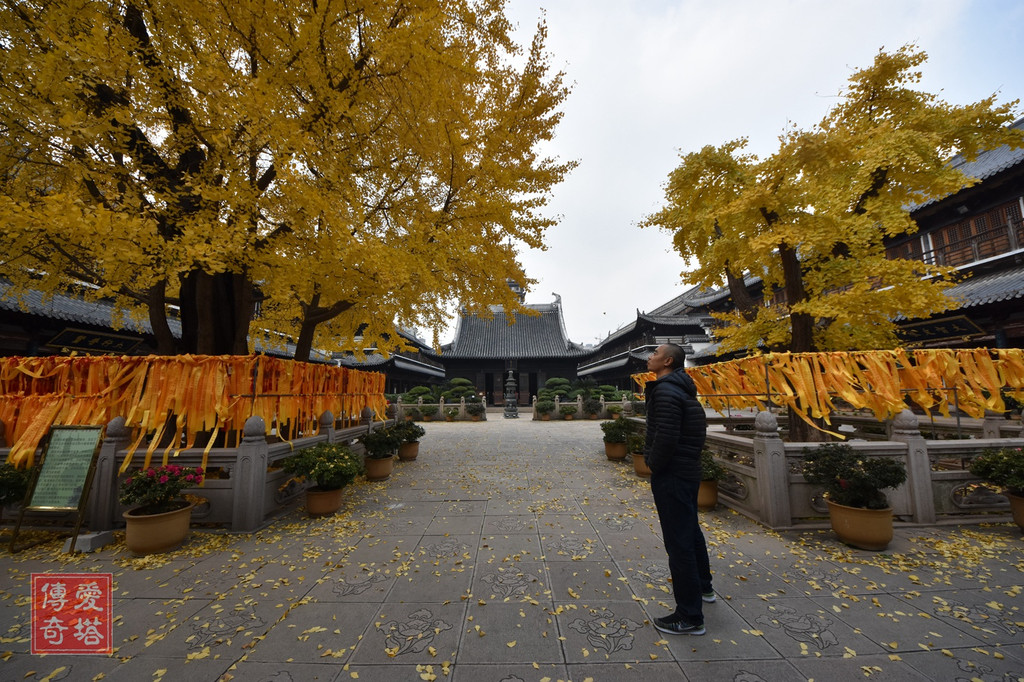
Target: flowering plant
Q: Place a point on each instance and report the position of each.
(331, 465)
(156, 489)
(852, 479)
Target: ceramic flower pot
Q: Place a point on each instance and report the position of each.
(707, 495)
(869, 529)
(615, 451)
(640, 466)
(155, 533)
(1017, 509)
(378, 469)
(408, 451)
(320, 502)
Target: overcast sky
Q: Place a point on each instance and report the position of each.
(653, 79)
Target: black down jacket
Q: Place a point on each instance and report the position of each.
(676, 426)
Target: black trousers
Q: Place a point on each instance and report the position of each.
(676, 501)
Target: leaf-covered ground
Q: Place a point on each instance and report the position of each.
(514, 550)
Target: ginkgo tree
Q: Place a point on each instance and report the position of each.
(302, 169)
(810, 221)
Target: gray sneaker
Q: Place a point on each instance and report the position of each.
(708, 597)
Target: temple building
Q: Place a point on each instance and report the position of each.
(535, 347)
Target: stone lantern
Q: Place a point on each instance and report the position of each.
(511, 397)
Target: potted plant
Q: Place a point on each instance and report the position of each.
(381, 444)
(545, 408)
(409, 435)
(429, 412)
(332, 466)
(592, 407)
(613, 410)
(161, 520)
(711, 472)
(450, 413)
(635, 443)
(1004, 468)
(413, 414)
(13, 485)
(615, 434)
(857, 507)
(475, 410)
(567, 411)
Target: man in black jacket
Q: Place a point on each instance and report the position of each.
(676, 429)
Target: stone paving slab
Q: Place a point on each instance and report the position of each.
(513, 550)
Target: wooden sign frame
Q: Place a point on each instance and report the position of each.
(62, 478)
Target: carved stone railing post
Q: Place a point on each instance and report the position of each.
(327, 426)
(991, 423)
(249, 476)
(906, 429)
(103, 496)
(366, 416)
(772, 472)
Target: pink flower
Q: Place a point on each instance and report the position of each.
(189, 477)
(164, 478)
(151, 473)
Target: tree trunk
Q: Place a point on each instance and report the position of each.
(312, 315)
(304, 344)
(216, 311)
(801, 324)
(157, 304)
(802, 432)
(741, 297)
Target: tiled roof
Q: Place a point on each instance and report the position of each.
(532, 336)
(992, 288)
(987, 164)
(101, 314)
(74, 309)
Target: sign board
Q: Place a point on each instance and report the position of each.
(63, 476)
(64, 468)
(934, 330)
(94, 342)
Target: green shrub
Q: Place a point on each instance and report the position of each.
(616, 431)
(475, 409)
(852, 479)
(408, 432)
(567, 410)
(428, 410)
(592, 406)
(636, 442)
(13, 483)
(1004, 467)
(545, 406)
(710, 469)
(331, 465)
(381, 443)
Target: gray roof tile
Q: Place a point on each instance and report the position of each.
(992, 288)
(532, 336)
